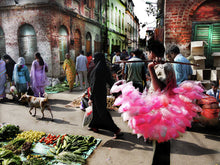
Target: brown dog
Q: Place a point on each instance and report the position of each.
(37, 102)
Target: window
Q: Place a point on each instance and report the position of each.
(97, 6)
(2, 42)
(27, 42)
(123, 19)
(112, 14)
(119, 19)
(88, 3)
(63, 42)
(116, 16)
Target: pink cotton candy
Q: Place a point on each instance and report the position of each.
(118, 86)
(159, 116)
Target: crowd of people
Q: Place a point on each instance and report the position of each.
(95, 75)
(18, 75)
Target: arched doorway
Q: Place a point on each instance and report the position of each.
(77, 43)
(27, 42)
(2, 42)
(63, 42)
(88, 42)
(97, 44)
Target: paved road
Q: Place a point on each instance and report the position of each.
(198, 146)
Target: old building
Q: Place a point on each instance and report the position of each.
(55, 27)
(122, 26)
(131, 27)
(51, 27)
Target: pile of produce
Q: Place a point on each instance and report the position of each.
(57, 88)
(31, 136)
(23, 147)
(8, 131)
(8, 158)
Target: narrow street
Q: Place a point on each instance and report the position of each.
(197, 146)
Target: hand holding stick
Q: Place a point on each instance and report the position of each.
(162, 62)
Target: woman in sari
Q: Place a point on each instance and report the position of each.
(21, 77)
(2, 80)
(38, 75)
(69, 69)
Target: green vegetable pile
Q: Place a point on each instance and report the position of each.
(75, 143)
(68, 149)
(36, 161)
(58, 88)
(70, 158)
(8, 158)
(7, 132)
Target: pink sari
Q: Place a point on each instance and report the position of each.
(38, 78)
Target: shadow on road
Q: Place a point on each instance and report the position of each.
(58, 101)
(209, 130)
(57, 121)
(56, 108)
(128, 142)
(187, 148)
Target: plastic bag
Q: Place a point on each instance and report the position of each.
(13, 90)
(87, 116)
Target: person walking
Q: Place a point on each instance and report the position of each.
(100, 76)
(38, 75)
(2, 80)
(182, 72)
(70, 71)
(81, 68)
(162, 79)
(89, 59)
(21, 77)
(136, 72)
(10, 63)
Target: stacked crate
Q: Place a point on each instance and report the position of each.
(197, 52)
(216, 59)
(202, 74)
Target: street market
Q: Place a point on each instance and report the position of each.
(109, 82)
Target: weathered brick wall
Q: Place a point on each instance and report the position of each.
(179, 17)
(209, 10)
(46, 22)
(38, 18)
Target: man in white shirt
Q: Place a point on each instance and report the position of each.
(81, 69)
(116, 67)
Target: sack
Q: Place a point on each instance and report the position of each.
(13, 90)
(30, 91)
(7, 87)
(87, 116)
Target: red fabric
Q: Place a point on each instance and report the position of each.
(89, 59)
(89, 92)
(207, 100)
(210, 113)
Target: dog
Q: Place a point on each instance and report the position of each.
(37, 102)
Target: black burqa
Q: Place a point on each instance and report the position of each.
(101, 76)
(9, 66)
